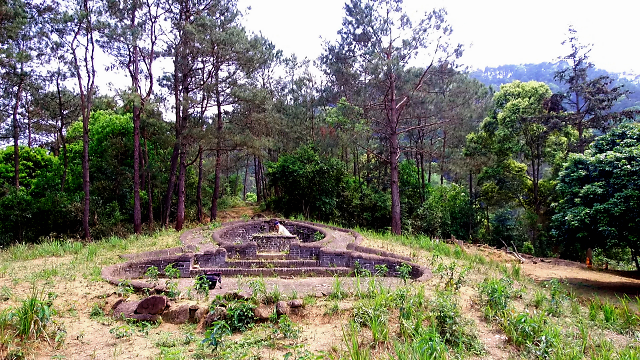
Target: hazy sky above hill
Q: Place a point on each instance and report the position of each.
(495, 32)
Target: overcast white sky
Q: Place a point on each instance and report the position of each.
(498, 31)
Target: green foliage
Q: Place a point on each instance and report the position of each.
(405, 272)
(201, 284)
(496, 295)
(338, 292)
(240, 315)
(34, 314)
(152, 273)
(599, 197)
(214, 335)
(171, 271)
(446, 212)
(308, 184)
(453, 328)
(287, 328)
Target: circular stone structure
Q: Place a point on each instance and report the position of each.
(251, 248)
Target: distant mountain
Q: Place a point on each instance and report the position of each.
(543, 72)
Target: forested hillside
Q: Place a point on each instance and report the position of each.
(545, 72)
(360, 137)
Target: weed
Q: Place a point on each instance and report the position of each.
(350, 337)
(287, 328)
(309, 300)
(594, 309)
(557, 297)
(293, 295)
(258, 288)
(5, 293)
(405, 272)
(374, 315)
(338, 292)
(451, 277)
(496, 295)
(609, 313)
(96, 311)
(122, 331)
(273, 296)
(214, 335)
(124, 288)
(451, 326)
(171, 271)
(201, 285)
(516, 272)
(240, 315)
(381, 270)
(426, 344)
(34, 314)
(332, 308)
(152, 273)
(359, 271)
(538, 299)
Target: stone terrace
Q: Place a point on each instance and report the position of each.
(249, 248)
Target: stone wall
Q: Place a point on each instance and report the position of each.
(273, 243)
(211, 259)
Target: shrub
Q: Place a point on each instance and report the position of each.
(240, 315)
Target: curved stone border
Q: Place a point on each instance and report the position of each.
(335, 254)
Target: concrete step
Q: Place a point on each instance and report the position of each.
(272, 263)
(306, 271)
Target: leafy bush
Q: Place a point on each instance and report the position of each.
(240, 315)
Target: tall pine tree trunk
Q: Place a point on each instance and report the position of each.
(199, 212)
(16, 136)
(166, 209)
(181, 190)
(216, 184)
(394, 152)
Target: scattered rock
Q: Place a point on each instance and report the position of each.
(219, 313)
(153, 305)
(262, 312)
(234, 295)
(282, 308)
(177, 315)
(296, 303)
(126, 310)
(202, 313)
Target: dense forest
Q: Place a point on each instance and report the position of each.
(383, 131)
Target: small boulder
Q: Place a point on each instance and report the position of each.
(176, 315)
(262, 312)
(282, 308)
(219, 313)
(296, 303)
(153, 305)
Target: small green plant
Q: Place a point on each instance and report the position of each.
(124, 288)
(594, 309)
(273, 296)
(359, 271)
(34, 314)
(496, 295)
(381, 270)
(451, 277)
(309, 300)
(122, 331)
(538, 299)
(215, 334)
(516, 272)
(405, 272)
(609, 313)
(287, 328)
(172, 289)
(96, 311)
(527, 248)
(152, 273)
(201, 285)
(332, 308)
(452, 327)
(240, 315)
(317, 236)
(258, 288)
(171, 271)
(338, 292)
